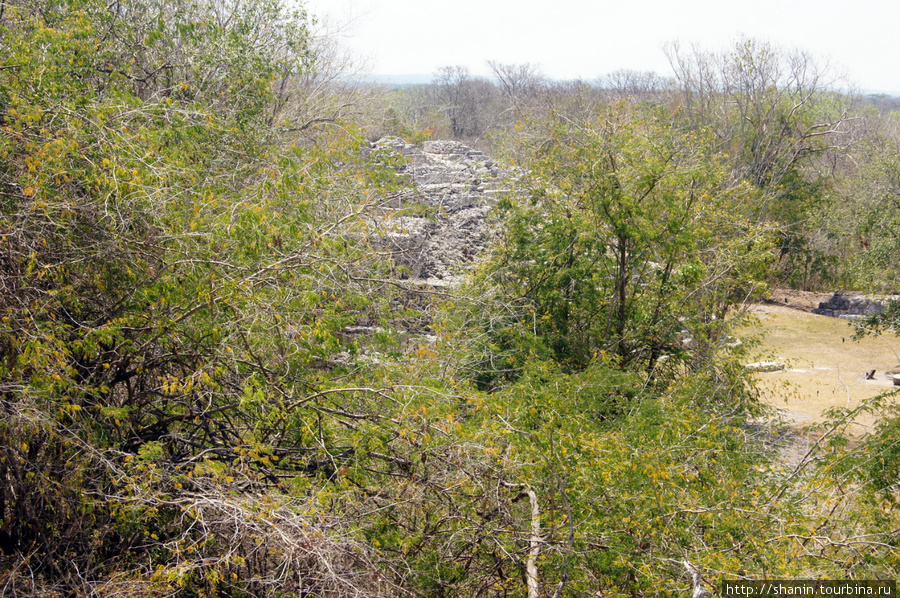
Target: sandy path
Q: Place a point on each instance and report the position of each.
(825, 367)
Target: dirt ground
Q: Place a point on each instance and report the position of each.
(802, 300)
(824, 366)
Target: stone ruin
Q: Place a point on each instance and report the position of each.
(852, 305)
(457, 186)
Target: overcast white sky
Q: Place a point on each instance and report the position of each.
(588, 39)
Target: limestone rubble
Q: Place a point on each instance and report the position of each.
(458, 187)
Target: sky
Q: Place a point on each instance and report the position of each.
(586, 39)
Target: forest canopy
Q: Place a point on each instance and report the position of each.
(218, 379)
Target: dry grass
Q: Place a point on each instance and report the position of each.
(825, 367)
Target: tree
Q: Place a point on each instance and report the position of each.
(521, 85)
(638, 86)
(774, 112)
(769, 108)
(188, 257)
(626, 240)
(857, 221)
(466, 100)
(180, 260)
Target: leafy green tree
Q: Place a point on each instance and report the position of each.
(573, 483)
(774, 112)
(187, 249)
(180, 260)
(858, 219)
(627, 238)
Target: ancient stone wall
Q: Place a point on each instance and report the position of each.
(458, 186)
(849, 305)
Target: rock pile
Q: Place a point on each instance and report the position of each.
(460, 186)
(850, 305)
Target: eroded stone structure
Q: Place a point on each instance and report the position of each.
(849, 305)
(458, 187)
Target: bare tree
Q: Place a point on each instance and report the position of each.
(468, 102)
(776, 114)
(521, 85)
(637, 85)
(769, 107)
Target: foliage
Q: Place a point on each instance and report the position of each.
(774, 113)
(882, 468)
(770, 108)
(587, 482)
(190, 247)
(631, 240)
(178, 271)
(858, 222)
(467, 102)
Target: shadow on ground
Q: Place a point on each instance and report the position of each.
(824, 366)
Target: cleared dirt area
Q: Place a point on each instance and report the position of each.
(824, 366)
